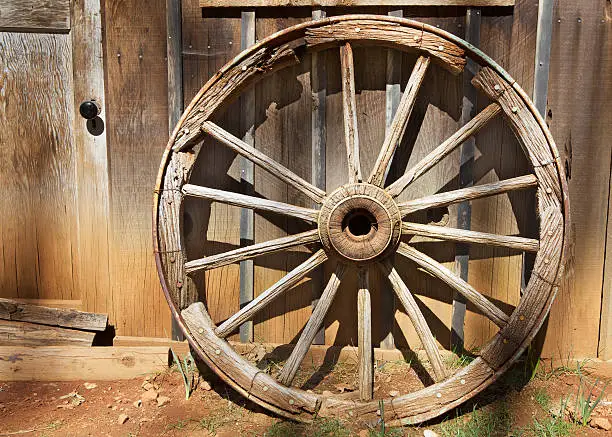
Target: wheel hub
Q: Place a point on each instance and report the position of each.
(360, 223)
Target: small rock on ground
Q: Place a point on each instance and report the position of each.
(149, 396)
(90, 385)
(122, 419)
(430, 433)
(205, 385)
(393, 393)
(138, 403)
(601, 423)
(162, 400)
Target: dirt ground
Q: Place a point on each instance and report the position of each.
(519, 405)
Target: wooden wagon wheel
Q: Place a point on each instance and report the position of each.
(361, 223)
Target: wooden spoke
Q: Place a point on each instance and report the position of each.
(314, 323)
(454, 141)
(465, 236)
(349, 107)
(400, 121)
(417, 318)
(455, 196)
(251, 202)
(261, 301)
(364, 335)
(263, 161)
(244, 253)
(494, 314)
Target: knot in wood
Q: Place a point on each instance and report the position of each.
(360, 223)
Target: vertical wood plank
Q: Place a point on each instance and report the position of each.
(174, 55)
(466, 178)
(579, 114)
(318, 83)
(92, 161)
(137, 105)
(247, 218)
(38, 239)
(393, 95)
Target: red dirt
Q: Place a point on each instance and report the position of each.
(35, 408)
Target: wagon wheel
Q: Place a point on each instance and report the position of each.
(362, 224)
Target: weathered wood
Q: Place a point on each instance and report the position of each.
(435, 156)
(364, 337)
(318, 141)
(14, 311)
(52, 303)
(257, 304)
(92, 164)
(418, 320)
(363, 30)
(496, 315)
(225, 89)
(471, 193)
(37, 210)
(465, 236)
(35, 16)
(136, 105)
(263, 161)
(400, 121)
(248, 252)
(74, 363)
(256, 203)
(348, 3)
(349, 109)
(312, 327)
(32, 334)
(260, 384)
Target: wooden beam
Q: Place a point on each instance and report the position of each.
(247, 179)
(15, 311)
(70, 363)
(33, 334)
(47, 16)
(349, 3)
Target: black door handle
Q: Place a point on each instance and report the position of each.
(89, 109)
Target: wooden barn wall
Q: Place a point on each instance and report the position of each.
(283, 130)
(36, 204)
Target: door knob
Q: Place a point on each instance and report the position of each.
(89, 109)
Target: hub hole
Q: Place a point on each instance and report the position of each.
(359, 223)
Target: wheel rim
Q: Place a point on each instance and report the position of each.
(359, 214)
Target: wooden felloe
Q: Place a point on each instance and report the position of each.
(363, 224)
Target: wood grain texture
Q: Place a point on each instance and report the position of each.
(312, 327)
(263, 161)
(265, 298)
(32, 334)
(92, 164)
(364, 337)
(349, 3)
(454, 281)
(251, 202)
(349, 110)
(38, 232)
(252, 251)
(14, 311)
(35, 16)
(70, 363)
(465, 236)
(400, 121)
(579, 117)
(436, 155)
(463, 194)
(418, 320)
(137, 122)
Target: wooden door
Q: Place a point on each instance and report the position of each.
(52, 160)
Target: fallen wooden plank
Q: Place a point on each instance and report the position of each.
(35, 15)
(33, 334)
(51, 303)
(16, 311)
(70, 363)
(346, 3)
